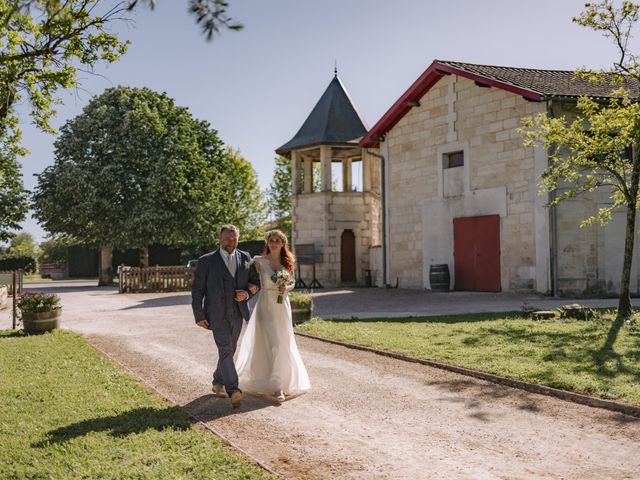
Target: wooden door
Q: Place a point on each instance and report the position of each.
(348, 256)
(476, 250)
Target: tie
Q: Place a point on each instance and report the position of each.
(231, 264)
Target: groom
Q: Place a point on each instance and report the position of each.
(219, 299)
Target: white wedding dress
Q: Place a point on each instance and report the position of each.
(267, 358)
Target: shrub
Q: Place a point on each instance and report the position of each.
(9, 263)
(301, 299)
(34, 302)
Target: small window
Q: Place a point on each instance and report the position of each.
(454, 159)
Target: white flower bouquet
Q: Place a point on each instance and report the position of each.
(282, 279)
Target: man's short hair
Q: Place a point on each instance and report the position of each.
(228, 226)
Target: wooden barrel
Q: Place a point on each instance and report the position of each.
(41, 322)
(439, 277)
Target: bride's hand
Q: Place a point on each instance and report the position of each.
(282, 290)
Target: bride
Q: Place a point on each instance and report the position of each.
(268, 361)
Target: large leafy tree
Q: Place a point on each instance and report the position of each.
(249, 206)
(134, 169)
(591, 151)
(43, 44)
(13, 198)
(23, 245)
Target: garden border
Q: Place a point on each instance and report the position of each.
(612, 405)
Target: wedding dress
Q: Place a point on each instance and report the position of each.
(267, 358)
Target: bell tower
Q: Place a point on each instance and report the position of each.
(335, 190)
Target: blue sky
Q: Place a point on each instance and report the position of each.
(257, 86)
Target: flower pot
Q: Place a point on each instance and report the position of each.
(41, 322)
(300, 313)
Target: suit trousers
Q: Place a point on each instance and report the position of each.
(226, 333)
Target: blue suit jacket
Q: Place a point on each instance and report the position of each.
(207, 293)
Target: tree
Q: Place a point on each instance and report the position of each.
(279, 195)
(13, 198)
(210, 14)
(589, 152)
(44, 43)
(23, 245)
(249, 209)
(134, 169)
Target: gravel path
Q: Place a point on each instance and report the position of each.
(366, 416)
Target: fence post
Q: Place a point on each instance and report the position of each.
(14, 287)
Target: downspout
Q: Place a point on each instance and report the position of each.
(553, 224)
(384, 215)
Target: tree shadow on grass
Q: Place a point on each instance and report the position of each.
(205, 408)
(137, 420)
(12, 334)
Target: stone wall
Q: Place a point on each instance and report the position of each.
(320, 218)
(498, 177)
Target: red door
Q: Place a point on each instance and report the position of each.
(476, 253)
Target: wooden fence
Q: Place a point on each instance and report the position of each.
(6, 278)
(155, 279)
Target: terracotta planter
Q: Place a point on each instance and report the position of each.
(300, 313)
(41, 322)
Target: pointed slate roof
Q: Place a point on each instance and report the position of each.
(333, 121)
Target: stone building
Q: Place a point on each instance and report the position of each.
(463, 191)
(460, 189)
(340, 221)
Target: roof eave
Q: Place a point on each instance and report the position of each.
(421, 86)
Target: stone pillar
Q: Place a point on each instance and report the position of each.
(295, 176)
(346, 175)
(325, 168)
(367, 164)
(308, 175)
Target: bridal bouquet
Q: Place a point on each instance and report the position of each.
(282, 279)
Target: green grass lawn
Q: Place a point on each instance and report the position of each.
(35, 278)
(66, 412)
(566, 354)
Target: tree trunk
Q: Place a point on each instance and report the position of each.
(105, 275)
(624, 304)
(144, 257)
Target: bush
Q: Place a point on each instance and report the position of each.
(9, 263)
(34, 302)
(301, 299)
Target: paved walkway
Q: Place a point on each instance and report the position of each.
(376, 302)
(367, 416)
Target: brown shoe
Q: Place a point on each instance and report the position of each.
(218, 390)
(236, 398)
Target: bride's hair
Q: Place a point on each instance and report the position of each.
(286, 256)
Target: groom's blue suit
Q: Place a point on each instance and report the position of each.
(212, 298)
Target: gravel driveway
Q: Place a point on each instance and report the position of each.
(366, 416)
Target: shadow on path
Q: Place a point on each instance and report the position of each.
(209, 407)
(158, 302)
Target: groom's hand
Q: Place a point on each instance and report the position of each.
(203, 324)
(241, 296)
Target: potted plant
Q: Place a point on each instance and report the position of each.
(40, 312)
(301, 307)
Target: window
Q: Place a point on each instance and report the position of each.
(454, 159)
